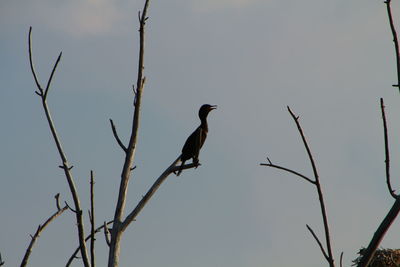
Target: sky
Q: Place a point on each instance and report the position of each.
(330, 61)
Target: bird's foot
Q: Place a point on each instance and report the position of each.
(196, 163)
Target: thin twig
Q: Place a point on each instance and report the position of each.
(51, 76)
(319, 242)
(330, 257)
(314, 167)
(270, 164)
(387, 154)
(57, 197)
(106, 234)
(73, 256)
(65, 164)
(114, 130)
(31, 63)
(341, 259)
(395, 40)
(69, 207)
(92, 221)
(37, 233)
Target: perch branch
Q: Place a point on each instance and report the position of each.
(65, 164)
(1, 261)
(37, 234)
(114, 130)
(171, 169)
(73, 256)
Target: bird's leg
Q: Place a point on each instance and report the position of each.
(180, 168)
(196, 162)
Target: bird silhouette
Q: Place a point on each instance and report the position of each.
(195, 141)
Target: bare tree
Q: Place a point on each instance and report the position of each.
(368, 253)
(120, 224)
(123, 219)
(120, 221)
(395, 209)
(328, 255)
(43, 93)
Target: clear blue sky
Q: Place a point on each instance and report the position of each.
(330, 61)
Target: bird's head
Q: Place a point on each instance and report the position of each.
(205, 109)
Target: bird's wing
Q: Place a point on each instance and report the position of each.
(198, 143)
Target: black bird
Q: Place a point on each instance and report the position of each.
(195, 141)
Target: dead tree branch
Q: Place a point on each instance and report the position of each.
(341, 259)
(330, 258)
(387, 154)
(395, 41)
(270, 164)
(106, 234)
(69, 207)
(38, 232)
(328, 252)
(393, 212)
(114, 130)
(318, 242)
(57, 197)
(97, 230)
(171, 169)
(379, 234)
(65, 165)
(113, 258)
(92, 221)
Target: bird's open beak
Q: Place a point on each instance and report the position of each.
(213, 107)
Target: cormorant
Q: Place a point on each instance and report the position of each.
(195, 141)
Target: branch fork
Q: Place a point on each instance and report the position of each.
(67, 170)
(328, 254)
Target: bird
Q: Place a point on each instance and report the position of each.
(195, 141)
